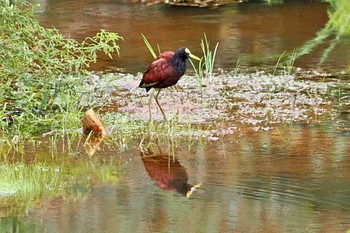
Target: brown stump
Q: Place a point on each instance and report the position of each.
(91, 123)
(93, 127)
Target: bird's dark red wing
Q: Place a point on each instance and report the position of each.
(158, 71)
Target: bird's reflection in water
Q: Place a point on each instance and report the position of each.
(167, 172)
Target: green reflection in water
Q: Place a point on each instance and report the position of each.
(23, 185)
(337, 27)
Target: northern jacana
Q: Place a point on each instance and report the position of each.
(165, 71)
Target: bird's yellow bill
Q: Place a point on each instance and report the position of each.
(189, 193)
(194, 57)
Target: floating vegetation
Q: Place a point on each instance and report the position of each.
(252, 99)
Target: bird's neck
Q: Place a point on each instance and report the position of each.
(178, 63)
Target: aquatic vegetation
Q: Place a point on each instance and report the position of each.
(206, 65)
(126, 129)
(287, 64)
(272, 2)
(254, 99)
(208, 56)
(149, 46)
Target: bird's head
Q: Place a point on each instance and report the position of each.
(186, 53)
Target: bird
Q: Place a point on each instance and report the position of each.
(165, 71)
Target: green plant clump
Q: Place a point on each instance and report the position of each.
(41, 71)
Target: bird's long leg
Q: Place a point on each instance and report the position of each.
(151, 94)
(156, 97)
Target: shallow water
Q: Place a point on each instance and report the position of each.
(291, 179)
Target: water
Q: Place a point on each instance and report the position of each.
(293, 178)
(249, 34)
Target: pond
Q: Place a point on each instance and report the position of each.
(290, 179)
(256, 172)
(249, 34)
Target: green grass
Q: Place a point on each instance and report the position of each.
(126, 130)
(206, 65)
(150, 48)
(285, 63)
(208, 56)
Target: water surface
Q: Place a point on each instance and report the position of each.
(250, 34)
(291, 179)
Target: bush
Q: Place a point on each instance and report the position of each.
(40, 69)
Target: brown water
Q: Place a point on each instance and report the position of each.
(250, 34)
(293, 178)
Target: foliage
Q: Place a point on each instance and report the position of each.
(206, 65)
(149, 47)
(41, 70)
(29, 48)
(272, 2)
(288, 63)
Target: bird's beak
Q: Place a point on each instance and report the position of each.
(189, 193)
(194, 57)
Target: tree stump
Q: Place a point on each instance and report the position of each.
(93, 127)
(91, 123)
